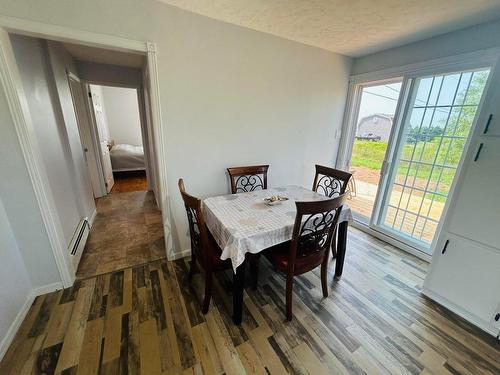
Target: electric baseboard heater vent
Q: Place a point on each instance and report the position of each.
(78, 241)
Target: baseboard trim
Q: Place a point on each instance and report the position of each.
(471, 318)
(392, 241)
(92, 217)
(11, 332)
(44, 289)
(21, 315)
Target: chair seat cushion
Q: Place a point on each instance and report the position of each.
(278, 256)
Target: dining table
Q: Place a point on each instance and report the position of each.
(245, 223)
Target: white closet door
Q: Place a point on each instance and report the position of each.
(84, 125)
(475, 215)
(467, 275)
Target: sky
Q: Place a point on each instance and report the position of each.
(379, 99)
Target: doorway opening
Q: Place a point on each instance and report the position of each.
(101, 230)
(118, 121)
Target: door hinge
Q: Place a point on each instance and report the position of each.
(106, 184)
(90, 94)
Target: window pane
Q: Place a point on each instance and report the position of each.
(435, 133)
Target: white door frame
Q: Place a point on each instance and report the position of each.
(488, 57)
(11, 82)
(149, 153)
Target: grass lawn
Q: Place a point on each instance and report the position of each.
(371, 154)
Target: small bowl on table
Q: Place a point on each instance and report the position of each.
(275, 200)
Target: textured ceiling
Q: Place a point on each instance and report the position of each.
(350, 27)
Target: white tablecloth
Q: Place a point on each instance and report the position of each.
(244, 223)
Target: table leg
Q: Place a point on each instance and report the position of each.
(238, 287)
(341, 248)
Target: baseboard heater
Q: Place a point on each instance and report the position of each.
(78, 241)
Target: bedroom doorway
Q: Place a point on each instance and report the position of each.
(128, 228)
(119, 128)
(114, 112)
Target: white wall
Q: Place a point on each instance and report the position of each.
(55, 130)
(122, 113)
(15, 285)
(21, 207)
(61, 62)
(467, 40)
(229, 95)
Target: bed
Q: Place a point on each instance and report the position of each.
(127, 158)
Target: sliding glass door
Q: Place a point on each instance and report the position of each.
(374, 126)
(407, 138)
(437, 122)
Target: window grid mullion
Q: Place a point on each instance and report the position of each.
(413, 151)
(422, 153)
(435, 160)
(447, 153)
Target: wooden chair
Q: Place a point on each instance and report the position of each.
(204, 249)
(331, 182)
(245, 179)
(313, 230)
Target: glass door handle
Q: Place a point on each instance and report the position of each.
(385, 167)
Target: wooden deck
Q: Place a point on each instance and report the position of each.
(363, 201)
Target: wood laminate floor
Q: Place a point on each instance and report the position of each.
(147, 320)
(126, 232)
(129, 181)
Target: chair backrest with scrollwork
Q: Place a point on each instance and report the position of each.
(197, 229)
(246, 179)
(315, 224)
(330, 182)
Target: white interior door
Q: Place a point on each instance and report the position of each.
(103, 136)
(85, 130)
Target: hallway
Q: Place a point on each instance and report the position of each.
(127, 231)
